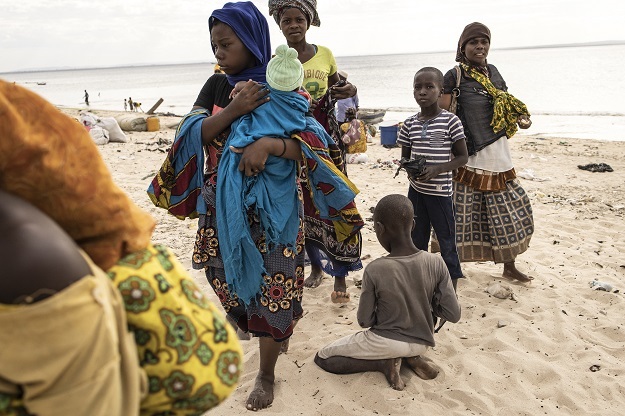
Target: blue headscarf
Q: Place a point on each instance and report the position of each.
(251, 27)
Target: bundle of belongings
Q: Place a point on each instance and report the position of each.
(102, 129)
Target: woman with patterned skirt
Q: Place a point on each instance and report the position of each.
(266, 303)
(325, 251)
(493, 213)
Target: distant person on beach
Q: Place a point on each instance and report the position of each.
(131, 104)
(436, 134)
(125, 105)
(89, 365)
(137, 106)
(320, 77)
(493, 212)
(401, 295)
(343, 104)
(86, 97)
(267, 301)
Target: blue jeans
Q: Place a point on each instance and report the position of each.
(436, 212)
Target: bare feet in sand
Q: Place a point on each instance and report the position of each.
(315, 277)
(262, 395)
(391, 371)
(340, 295)
(421, 368)
(512, 273)
(284, 346)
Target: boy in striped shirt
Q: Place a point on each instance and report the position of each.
(438, 135)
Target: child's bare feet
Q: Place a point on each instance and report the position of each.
(315, 277)
(512, 273)
(262, 395)
(340, 295)
(421, 368)
(391, 371)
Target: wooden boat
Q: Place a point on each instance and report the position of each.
(371, 115)
(41, 83)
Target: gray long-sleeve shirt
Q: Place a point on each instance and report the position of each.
(400, 294)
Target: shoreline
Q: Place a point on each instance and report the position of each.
(601, 126)
(528, 356)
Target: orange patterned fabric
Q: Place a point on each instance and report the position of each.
(49, 159)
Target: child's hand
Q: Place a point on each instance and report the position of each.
(524, 121)
(248, 98)
(237, 88)
(430, 172)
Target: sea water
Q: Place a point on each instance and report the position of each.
(572, 92)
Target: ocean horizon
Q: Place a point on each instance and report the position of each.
(151, 64)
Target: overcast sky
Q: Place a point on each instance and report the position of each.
(40, 34)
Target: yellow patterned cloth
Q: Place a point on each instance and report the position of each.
(506, 107)
(192, 357)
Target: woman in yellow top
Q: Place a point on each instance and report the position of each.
(320, 75)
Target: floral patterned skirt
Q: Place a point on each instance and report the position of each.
(279, 305)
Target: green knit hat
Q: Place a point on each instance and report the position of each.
(284, 70)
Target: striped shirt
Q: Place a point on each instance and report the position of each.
(433, 139)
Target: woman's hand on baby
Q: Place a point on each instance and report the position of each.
(250, 96)
(524, 121)
(253, 157)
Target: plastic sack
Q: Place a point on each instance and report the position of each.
(115, 132)
(355, 158)
(99, 135)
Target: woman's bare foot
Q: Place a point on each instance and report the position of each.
(512, 273)
(391, 371)
(262, 395)
(421, 368)
(315, 277)
(340, 295)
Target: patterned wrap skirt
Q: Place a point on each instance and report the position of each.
(276, 309)
(492, 225)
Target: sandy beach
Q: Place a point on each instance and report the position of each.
(555, 347)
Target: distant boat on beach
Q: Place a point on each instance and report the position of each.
(41, 83)
(371, 115)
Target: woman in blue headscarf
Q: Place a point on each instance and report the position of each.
(266, 303)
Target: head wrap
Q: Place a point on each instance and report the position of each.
(472, 30)
(252, 29)
(308, 7)
(285, 72)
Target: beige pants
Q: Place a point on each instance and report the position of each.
(366, 345)
(71, 354)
